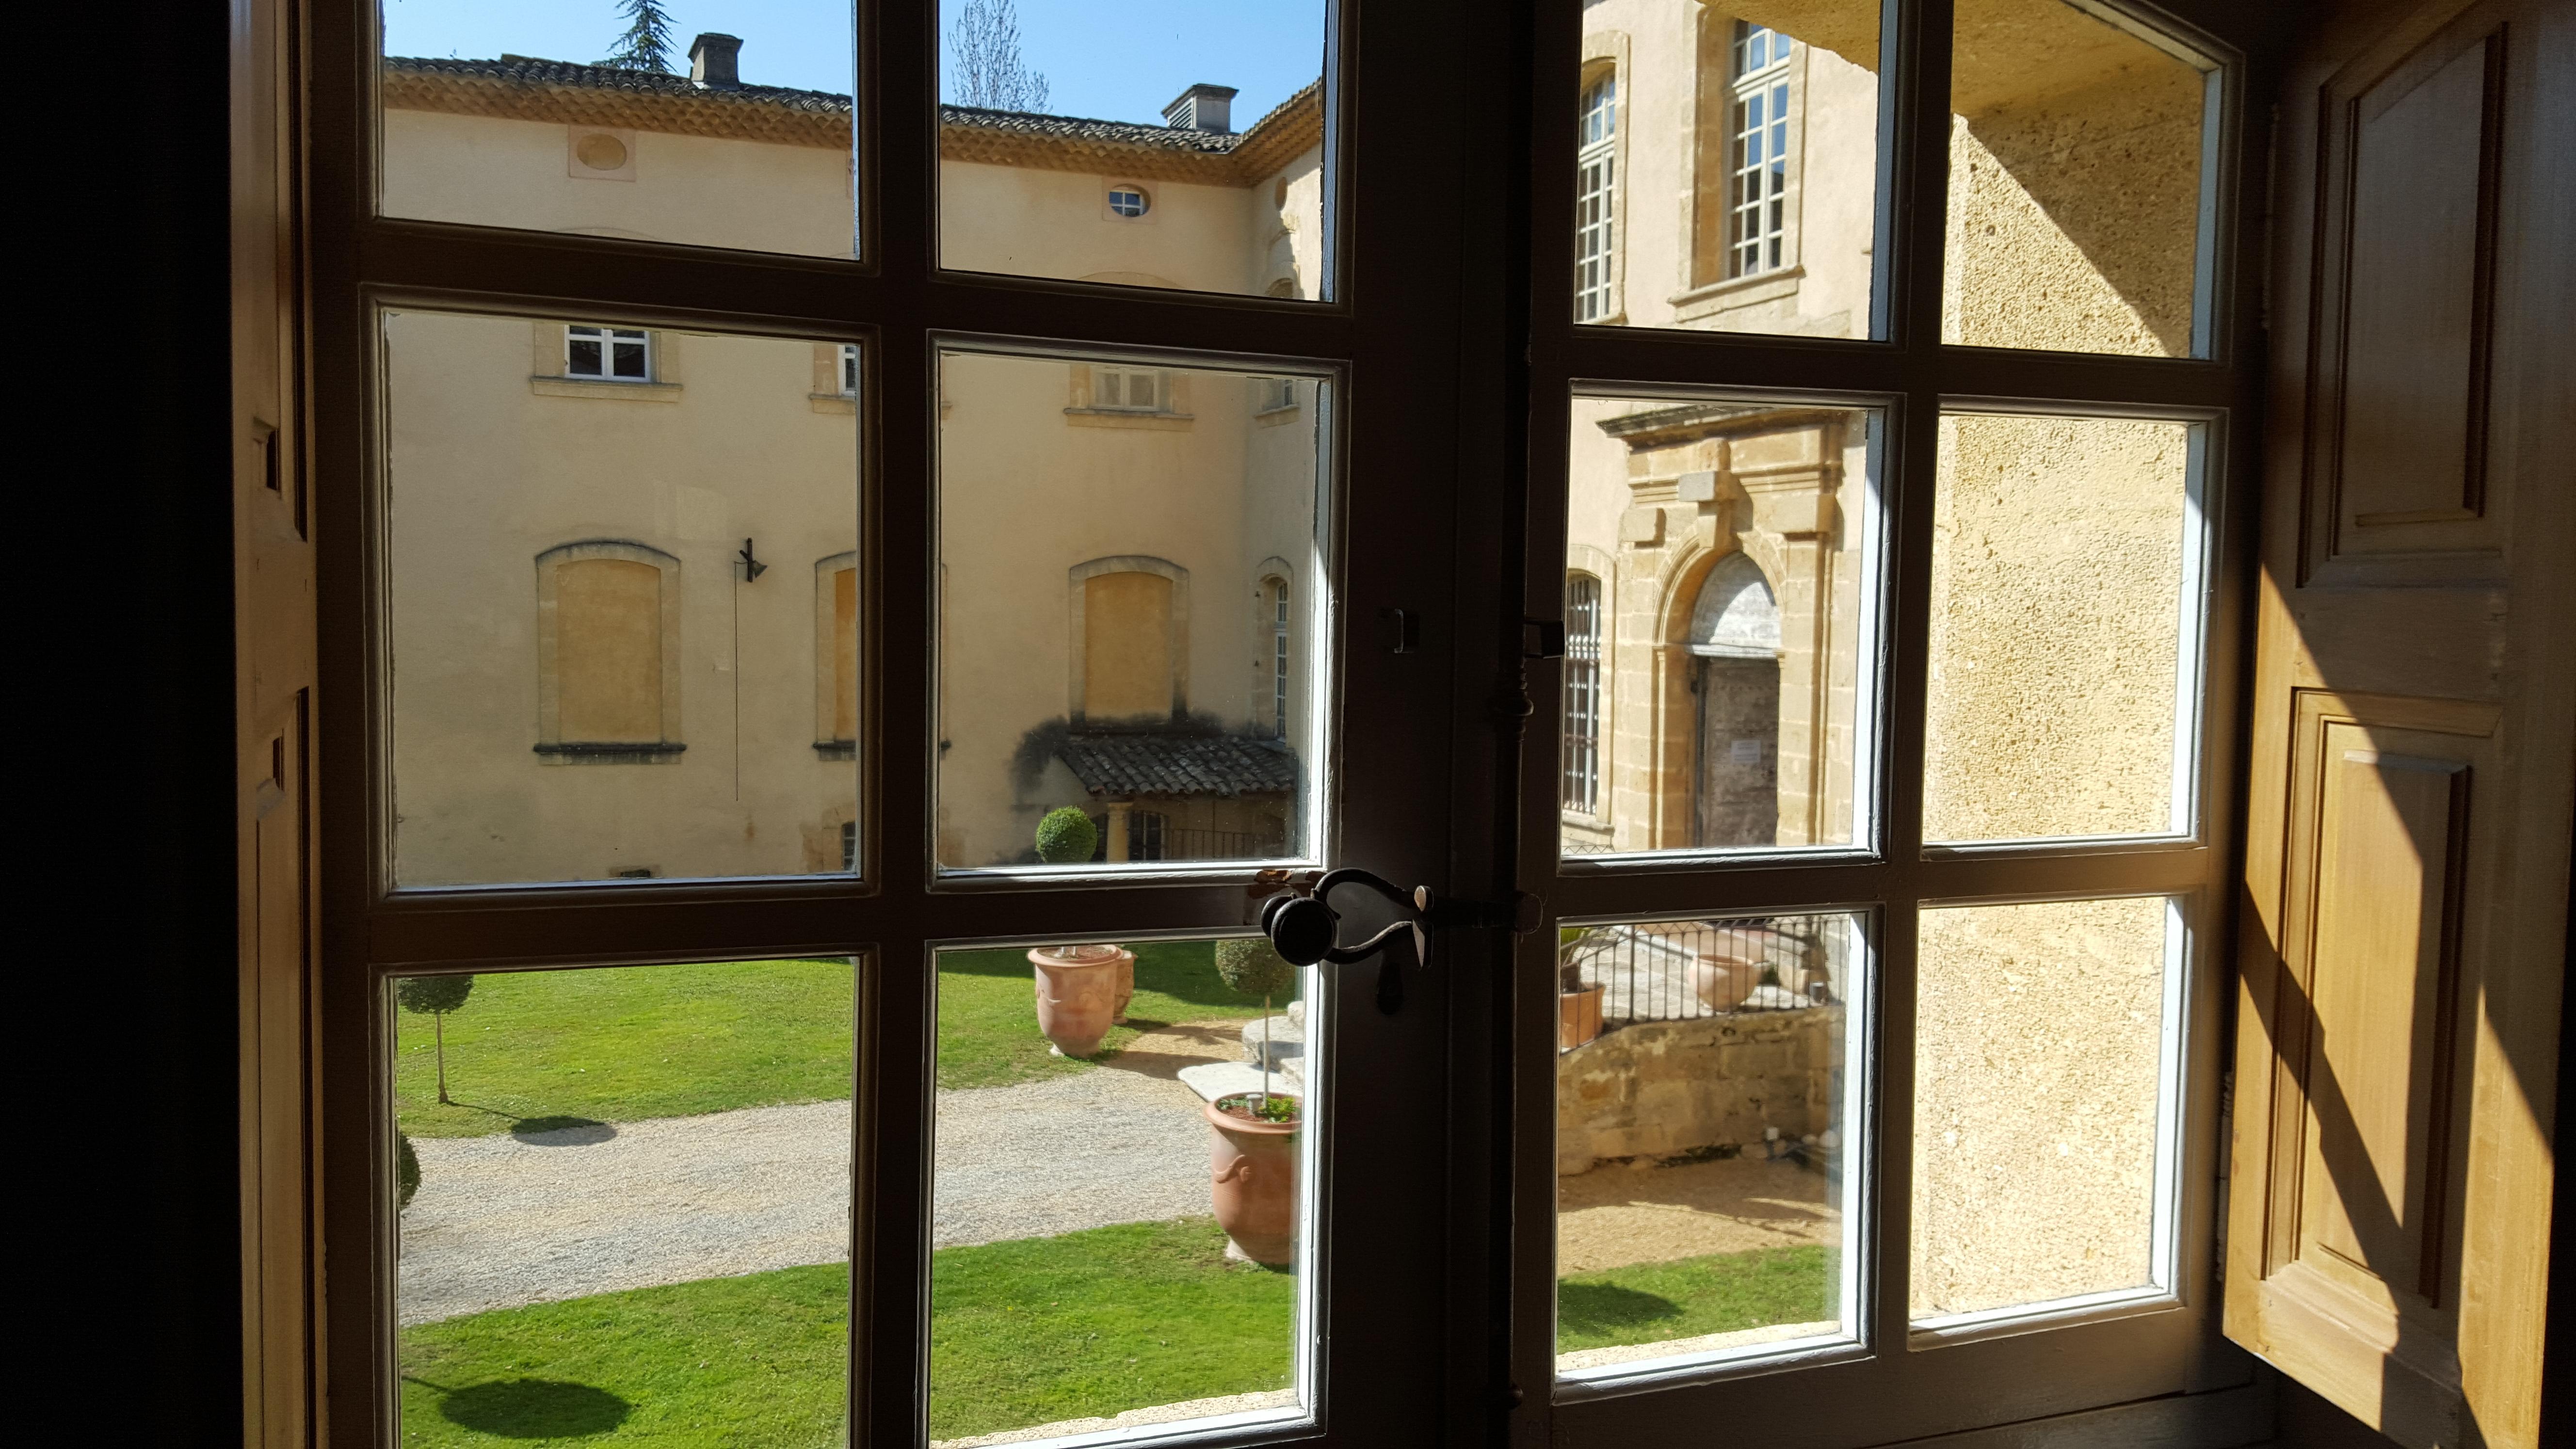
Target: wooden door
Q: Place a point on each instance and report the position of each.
(2406, 882)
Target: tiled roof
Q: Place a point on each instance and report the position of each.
(520, 87)
(1143, 764)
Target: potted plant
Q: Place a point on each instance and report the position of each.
(1578, 1005)
(1254, 967)
(1252, 1158)
(1080, 994)
(1721, 982)
(1066, 836)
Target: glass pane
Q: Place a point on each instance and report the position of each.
(625, 1203)
(623, 121)
(1776, 167)
(1168, 144)
(623, 609)
(1703, 1107)
(1122, 1194)
(2045, 1053)
(2066, 564)
(1717, 693)
(1116, 684)
(2076, 194)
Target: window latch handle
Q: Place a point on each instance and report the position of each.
(1306, 929)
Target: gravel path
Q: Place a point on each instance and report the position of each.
(502, 1221)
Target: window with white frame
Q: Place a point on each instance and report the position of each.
(849, 369)
(608, 354)
(1275, 393)
(1125, 389)
(1580, 788)
(1129, 201)
(1595, 189)
(1758, 204)
(1278, 590)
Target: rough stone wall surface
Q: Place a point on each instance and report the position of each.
(1671, 1088)
(2056, 603)
(2038, 1048)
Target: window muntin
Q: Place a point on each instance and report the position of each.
(1129, 390)
(1129, 201)
(608, 354)
(1581, 789)
(1757, 211)
(1280, 623)
(849, 369)
(1595, 201)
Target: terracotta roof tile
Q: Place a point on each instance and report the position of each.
(1149, 764)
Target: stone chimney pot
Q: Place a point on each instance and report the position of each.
(1202, 107)
(716, 60)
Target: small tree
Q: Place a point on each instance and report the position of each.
(1253, 966)
(436, 995)
(1066, 836)
(646, 45)
(984, 51)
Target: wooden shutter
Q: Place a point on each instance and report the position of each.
(2407, 847)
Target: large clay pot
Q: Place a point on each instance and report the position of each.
(1578, 1017)
(1253, 1177)
(1722, 982)
(1080, 993)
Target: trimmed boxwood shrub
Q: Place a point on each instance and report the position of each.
(1066, 836)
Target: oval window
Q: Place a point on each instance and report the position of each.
(1128, 201)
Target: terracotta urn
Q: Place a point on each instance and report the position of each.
(1252, 1168)
(1722, 982)
(1578, 1016)
(1081, 991)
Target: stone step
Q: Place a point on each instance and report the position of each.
(1212, 1080)
(1287, 1036)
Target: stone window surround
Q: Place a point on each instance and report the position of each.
(1274, 570)
(1606, 51)
(1076, 683)
(546, 366)
(829, 743)
(551, 747)
(1703, 296)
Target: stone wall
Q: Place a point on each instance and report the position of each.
(1669, 1089)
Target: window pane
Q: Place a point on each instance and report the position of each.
(1703, 1105)
(2044, 1061)
(1723, 679)
(2065, 639)
(622, 128)
(589, 680)
(1776, 167)
(1112, 659)
(1119, 1227)
(2076, 193)
(1177, 146)
(565, 1268)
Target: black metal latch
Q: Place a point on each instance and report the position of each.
(1306, 929)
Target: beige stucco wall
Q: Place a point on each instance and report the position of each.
(489, 465)
(2038, 1043)
(1033, 485)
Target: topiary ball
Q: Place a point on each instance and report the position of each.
(1253, 966)
(1066, 836)
(406, 1171)
(433, 993)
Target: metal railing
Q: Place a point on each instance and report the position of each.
(1180, 844)
(1684, 970)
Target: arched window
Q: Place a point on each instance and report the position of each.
(1581, 767)
(836, 655)
(1735, 615)
(1595, 188)
(1735, 634)
(1757, 211)
(608, 641)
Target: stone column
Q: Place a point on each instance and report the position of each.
(1118, 830)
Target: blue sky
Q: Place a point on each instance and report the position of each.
(1121, 69)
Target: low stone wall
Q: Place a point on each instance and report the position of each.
(1666, 1089)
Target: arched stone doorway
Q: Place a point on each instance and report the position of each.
(1734, 643)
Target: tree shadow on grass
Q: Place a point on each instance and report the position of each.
(533, 1409)
(561, 1131)
(1588, 1308)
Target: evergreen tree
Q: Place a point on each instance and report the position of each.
(646, 45)
(984, 59)
(435, 997)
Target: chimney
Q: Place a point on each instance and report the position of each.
(715, 60)
(1202, 108)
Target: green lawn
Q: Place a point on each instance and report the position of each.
(1719, 1293)
(626, 1043)
(1030, 1332)
(988, 1022)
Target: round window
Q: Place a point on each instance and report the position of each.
(1127, 201)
